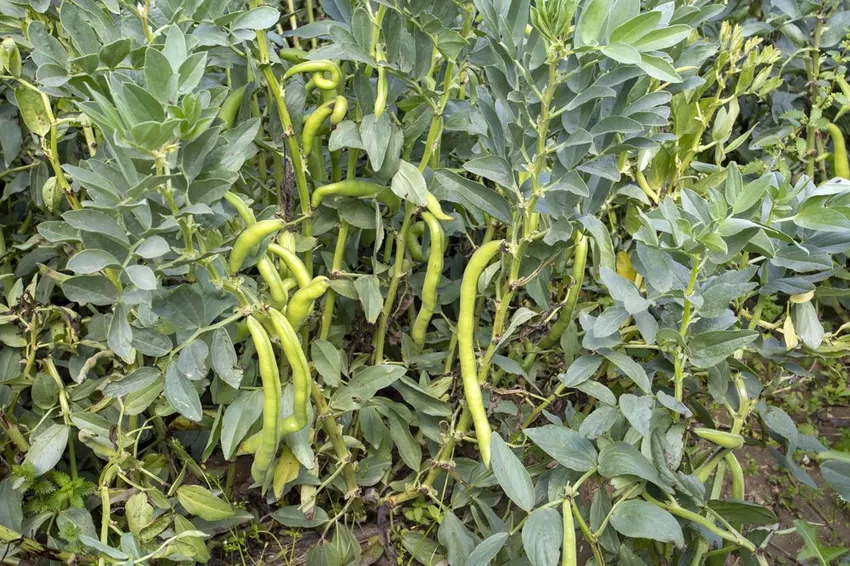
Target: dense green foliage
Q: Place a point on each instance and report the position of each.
(510, 278)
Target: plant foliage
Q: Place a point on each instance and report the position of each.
(668, 184)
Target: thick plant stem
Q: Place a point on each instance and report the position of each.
(568, 311)
(588, 534)
(275, 91)
(814, 97)
(66, 413)
(733, 537)
(330, 300)
(5, 269)
(679, 362)
(757, 311)
(398, 271)
(106, 478)
(335, 437)
(568, 550)
(293, 22)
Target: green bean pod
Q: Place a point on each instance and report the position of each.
(357, 189)
(286, 241)
(300, 372)
(230, 107)
(271, 401)
(839, 152)
(323, 83)
(414, 241)
(289, 284)
(293, 55)
(710, 464)
(309, 87)
(302, 301)
(432, 279)
(382, 86)
(242, 209)
(340, 110)
(317, 69)
(432, 205)
(466, 343)
(293, 263)
(249, 239)
(720, 438)
(251, 444)
(737, 474)
(566, 315)
(312, 124)
(265, 265)
(271, 276)
(845, 90)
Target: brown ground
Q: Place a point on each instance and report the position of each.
(821, 507)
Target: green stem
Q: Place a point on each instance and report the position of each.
(814, 96)
(5, 269)
(398, 268)
(679, 362)
(330, 300)
(335, 437)
(66, 413)
(757, 311)
(275, 90)
(588, 535)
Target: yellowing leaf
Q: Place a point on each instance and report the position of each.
(624, 266)
(802, 297)
(789, 333)
(285, 471)
(33, 111)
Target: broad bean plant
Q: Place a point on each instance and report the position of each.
(506, 278)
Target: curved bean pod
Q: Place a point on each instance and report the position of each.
(271, 400)
(286, 241)
(414, 243)
(249, 239)
(358, 189)
(432, 279)
(839, 152)
(312, 124)
(566, 315)
(265, 265)
(300, 372)
(317, 68)
(737, 474)
(293, 263)
(293, 54)
(230, 107)
(340, 110)
(302, 301)
(432, 205)
(721, 438)
(466, 343)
